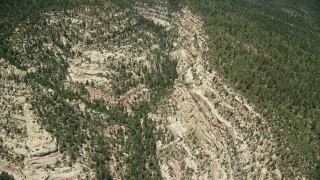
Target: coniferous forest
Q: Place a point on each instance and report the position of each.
(268, 50)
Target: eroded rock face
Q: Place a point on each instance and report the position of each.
(210, 131)
(217, 135)
(30, 151)
(105, 54)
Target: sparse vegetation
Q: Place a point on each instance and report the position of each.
(98, 76)
(51, 40)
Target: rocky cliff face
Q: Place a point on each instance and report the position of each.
(205, 130)
(81, 73)
(28, 151)
(217, 134)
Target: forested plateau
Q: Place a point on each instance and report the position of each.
(159, 89)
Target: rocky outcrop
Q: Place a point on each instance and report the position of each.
(29, 151)
(217, 134)
(207, 130)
